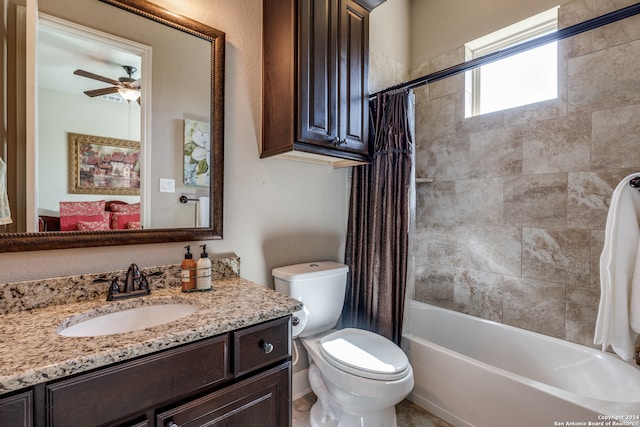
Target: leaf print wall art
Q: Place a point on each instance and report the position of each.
(197, 152)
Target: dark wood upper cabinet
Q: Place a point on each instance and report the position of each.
(354, 77)
(315, 79)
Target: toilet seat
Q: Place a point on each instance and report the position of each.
(364, 354)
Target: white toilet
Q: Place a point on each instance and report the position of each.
(357, 375)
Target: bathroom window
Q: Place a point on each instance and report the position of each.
(520, 79)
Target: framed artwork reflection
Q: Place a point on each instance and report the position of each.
(101, 165)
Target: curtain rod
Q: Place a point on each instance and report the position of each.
(512, 50)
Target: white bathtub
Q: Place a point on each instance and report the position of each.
(474, 372)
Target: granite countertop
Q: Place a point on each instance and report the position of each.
(33, 352)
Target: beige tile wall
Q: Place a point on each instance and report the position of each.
(512, 227)
(384, 71)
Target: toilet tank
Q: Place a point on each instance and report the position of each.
(320, 286)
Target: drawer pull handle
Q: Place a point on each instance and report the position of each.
(267, 347)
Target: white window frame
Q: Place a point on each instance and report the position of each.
(528, 29)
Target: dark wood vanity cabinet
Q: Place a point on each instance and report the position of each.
(241, 378)
(17, 410)
(117, 392)
(315, 79)
(259, 401)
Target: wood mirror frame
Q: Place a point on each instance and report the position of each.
(15, 242)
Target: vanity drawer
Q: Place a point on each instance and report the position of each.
(261, 345)
(131, 388)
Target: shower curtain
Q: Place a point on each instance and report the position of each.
(378, 225)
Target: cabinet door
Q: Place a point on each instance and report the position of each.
(260, 401)
(354, 77)
(16, 411)
(318, 72)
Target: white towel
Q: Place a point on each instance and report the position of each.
(5, 212)
(634, 305)
(202, 212)
(617, 266)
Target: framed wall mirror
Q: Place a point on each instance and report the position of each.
(168, 159)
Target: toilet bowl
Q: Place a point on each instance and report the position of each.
(363, 381)
(358, 376)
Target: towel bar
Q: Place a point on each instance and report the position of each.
(185, 199)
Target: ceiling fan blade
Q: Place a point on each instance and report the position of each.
(96, 77)
(100, 92)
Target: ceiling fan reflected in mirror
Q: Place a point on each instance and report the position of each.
(127, 87)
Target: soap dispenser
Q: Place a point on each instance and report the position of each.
(188, 273)
(203, 281)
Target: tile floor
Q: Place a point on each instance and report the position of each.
(407, 413)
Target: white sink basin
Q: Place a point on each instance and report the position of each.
(132, 319)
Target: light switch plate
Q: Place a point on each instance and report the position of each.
(167, 185)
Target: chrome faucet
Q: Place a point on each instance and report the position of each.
(135, 284)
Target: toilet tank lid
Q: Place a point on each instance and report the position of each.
(310, 270)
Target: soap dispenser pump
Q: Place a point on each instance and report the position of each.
(188, 273)
(203, 281)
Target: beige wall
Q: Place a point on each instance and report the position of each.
(389, 30)
(276, 212)
(512, 227)
(389, 35)
(438, 26)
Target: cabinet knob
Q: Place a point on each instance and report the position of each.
(336, 141)
(267, 347)
(171, 424)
